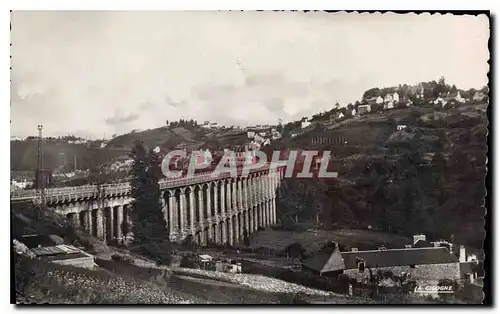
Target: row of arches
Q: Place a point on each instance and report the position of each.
(221, 211)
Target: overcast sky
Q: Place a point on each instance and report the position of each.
(92, 73)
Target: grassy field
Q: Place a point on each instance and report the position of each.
(314, 240)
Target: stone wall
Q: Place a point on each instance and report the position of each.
(84, 262)
(428, 274)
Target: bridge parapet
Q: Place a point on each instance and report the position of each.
(95, 191)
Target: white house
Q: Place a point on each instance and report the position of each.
(305, 124)
(353, 112)
(459, 98)
(341, 115)
(250, 134)
(388, 97)
(441, 101)
(395, 97)
(478, 96)
(401, 127)
(364, 108)
(389, 105)
(379, 100)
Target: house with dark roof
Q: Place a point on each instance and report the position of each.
(425, 265)
(329, 263)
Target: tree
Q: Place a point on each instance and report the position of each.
(373, 92)
(151, 236)
(453, 89)
(279, 127)
(125, 227)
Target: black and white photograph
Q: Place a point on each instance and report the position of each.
(249, 157)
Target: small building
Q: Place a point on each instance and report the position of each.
(454, 98)
(65, 255)
(440, 101)
(341, 115)
(388, 97)
(205, 261)
(379, 100)
(328, 263)
(389, 105)
(305, 124)
(478, 96)
(364, 109)
(426, 265)
(395, 97)
(401, 127)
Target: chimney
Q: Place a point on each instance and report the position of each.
(463, 257)
(418, 237)
(354, 249)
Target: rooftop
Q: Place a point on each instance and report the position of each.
(400, 257)
(327, 262)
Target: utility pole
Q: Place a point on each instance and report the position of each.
(39, 172)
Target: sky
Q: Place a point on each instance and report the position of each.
(98, 73)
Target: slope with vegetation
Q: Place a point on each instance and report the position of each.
(427, 178)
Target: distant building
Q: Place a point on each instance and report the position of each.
(371, 100)
(440, 101)
(388, 97)
(395, 97)
(379, 100)
(401, 127)
(16, 138)
(454, 97)
(336, 116)
(305, 124)
(19, 185)
(389, 105)
(364, 108)
(250, 134)
(478, 96)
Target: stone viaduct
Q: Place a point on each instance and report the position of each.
(208, 208)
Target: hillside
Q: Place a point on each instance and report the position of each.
(62, 156)
(428, 177)
(164, 137)
(23, 155)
